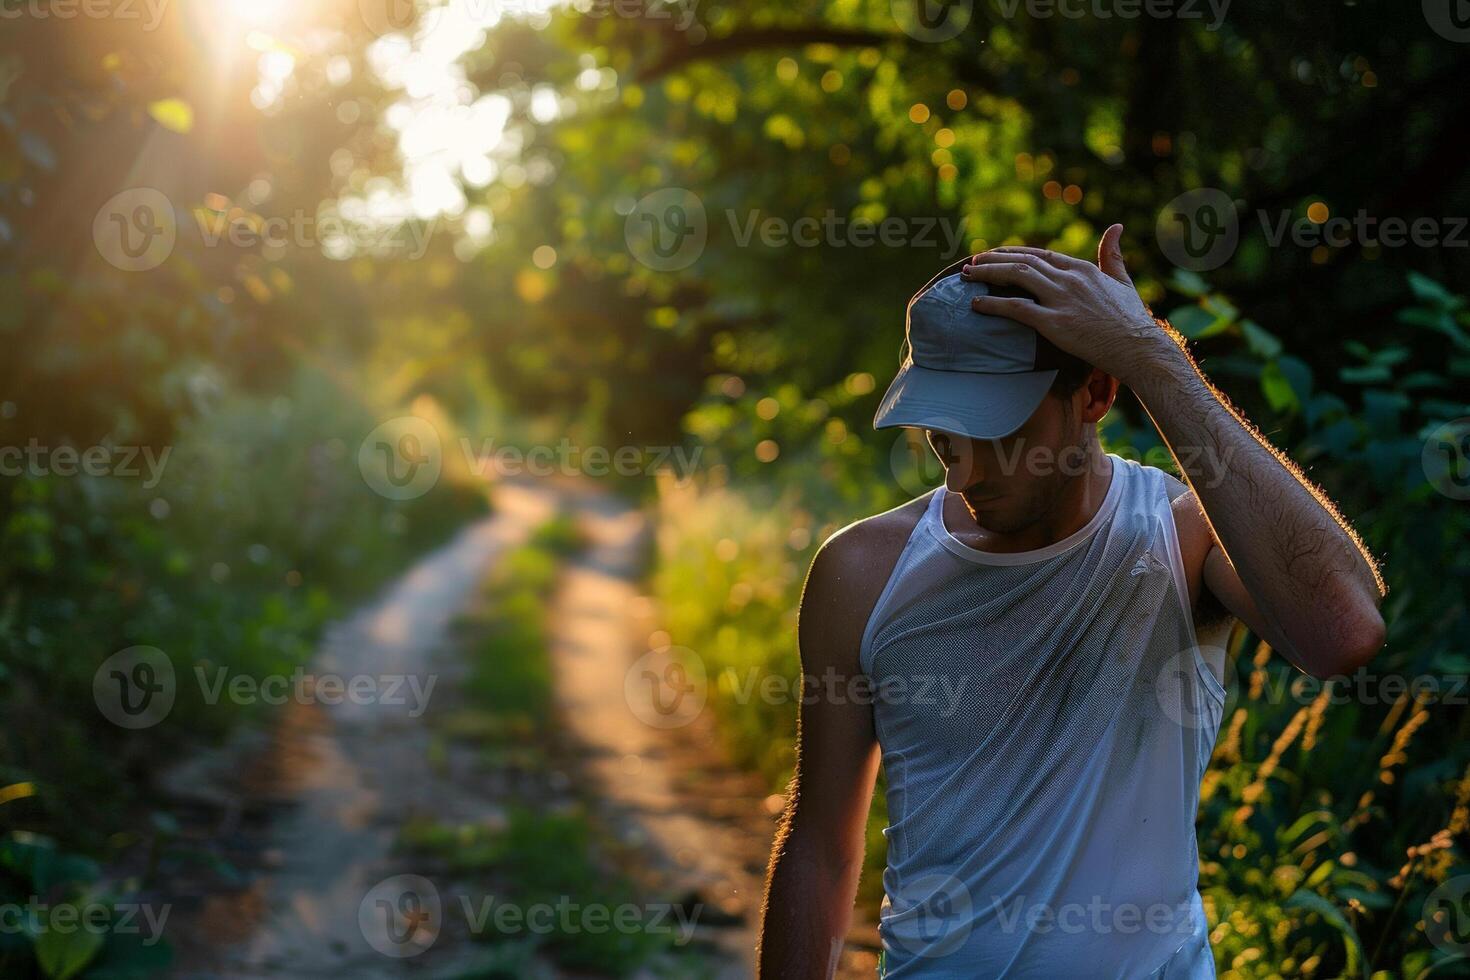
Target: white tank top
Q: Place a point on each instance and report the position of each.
(1045, 719)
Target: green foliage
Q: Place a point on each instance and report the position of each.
(71, 923)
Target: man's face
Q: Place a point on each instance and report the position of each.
(1010, 484)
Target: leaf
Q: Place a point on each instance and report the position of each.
(1423, 379)
(1260, 340)
(1430, 291)
(1438, 320)
(131, 957)
(1299, 374)
(1304, 823)
(1188, 283)
(1221, 307)
(1389, 356)
(1310, 901)
(1277, 389)
(75, 868)
(173, 114)
(64, 954)
(1196, 322)
(1366, 375)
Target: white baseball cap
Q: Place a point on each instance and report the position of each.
(966, 373)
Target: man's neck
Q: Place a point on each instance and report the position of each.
(1078, 502)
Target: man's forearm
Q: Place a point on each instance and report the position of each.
(1315, 586)
(807, 912)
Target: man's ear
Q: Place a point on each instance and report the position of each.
(1096, 396)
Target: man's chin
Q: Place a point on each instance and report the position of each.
(994, 514)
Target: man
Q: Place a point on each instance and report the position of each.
(1042, 639)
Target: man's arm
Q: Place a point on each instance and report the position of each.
(818, 852)
(1286, 562)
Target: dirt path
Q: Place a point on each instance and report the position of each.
(344, 779)
(313, 810)
(702, 828)
(600, 625)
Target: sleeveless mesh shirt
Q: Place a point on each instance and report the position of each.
(1045, 719)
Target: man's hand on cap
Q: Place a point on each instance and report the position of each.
(1091, 311)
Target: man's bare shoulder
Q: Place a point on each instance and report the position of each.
(849, 573)
(872, 545)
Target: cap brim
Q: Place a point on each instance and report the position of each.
(981, 406)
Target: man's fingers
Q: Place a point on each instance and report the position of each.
(1011, 307)
(1004, 252)
(1033, 276)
